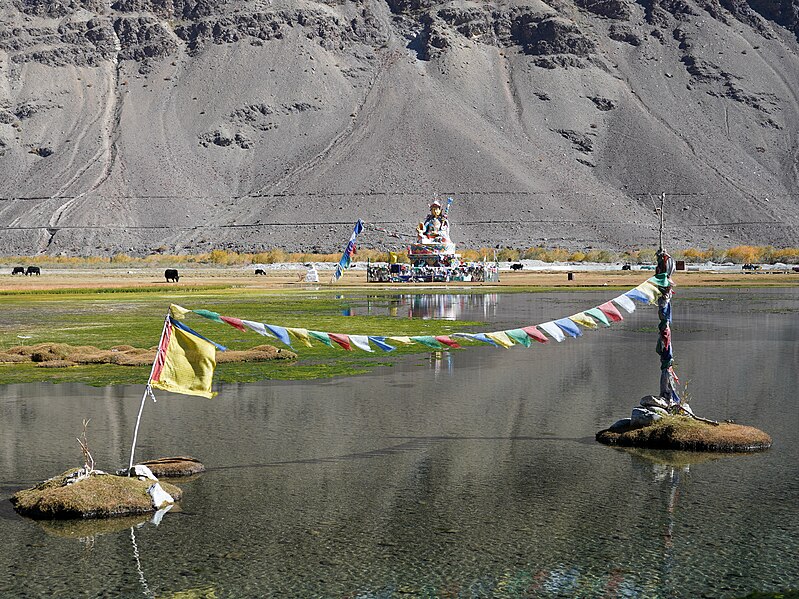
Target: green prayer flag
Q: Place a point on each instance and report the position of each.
(209, 315)
(599, 315)
(323, 337)
(429, 341)
(519, 336)
(661, 280)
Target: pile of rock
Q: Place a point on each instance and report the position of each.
(651, 410)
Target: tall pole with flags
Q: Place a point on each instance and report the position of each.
(663, 272)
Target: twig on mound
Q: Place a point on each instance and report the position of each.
(88, 460)
(695, 417)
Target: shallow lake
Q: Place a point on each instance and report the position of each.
(471, 473)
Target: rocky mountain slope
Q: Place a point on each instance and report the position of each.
(131, 125)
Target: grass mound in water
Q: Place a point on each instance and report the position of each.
(62, 355)
(687, 434)
(177, 466)
(98, 496)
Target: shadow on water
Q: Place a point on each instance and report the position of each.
(413, 444)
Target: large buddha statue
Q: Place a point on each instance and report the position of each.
(435, 228)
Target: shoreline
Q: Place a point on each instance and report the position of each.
(291, 277)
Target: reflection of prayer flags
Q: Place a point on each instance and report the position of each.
(567, 325)
(361, 342)
(534, 333)
(177, 311)
(234, 322)
(599, 315)
(280, 332)
(258, 327)
(185, 361)
(300, 335)
(342, 340)
(446, 340)
(428, 340)
(583, 319)
(381, 343)
(349, 251)
(320, 336)
(519, 336)
(500, 338)
(609, 310)
(626, 303)
(553, 331)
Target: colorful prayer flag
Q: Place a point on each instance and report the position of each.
(567, 325)
(446, 340)
(553, 331)
(584, 320)
(534, 333)
(500, 338)
(349, 252)
(599, 315)
(300, 335)
(185, 361)
(609, 310)
(361, 342)
(342, 340)
(626, 303)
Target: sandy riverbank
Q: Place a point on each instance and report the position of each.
(292, 277)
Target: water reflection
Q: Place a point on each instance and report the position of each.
(441, 362)
(440, 306)
(464, 474)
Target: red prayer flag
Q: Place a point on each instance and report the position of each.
(342, 340)
(609, 310)
(234, 322)
(534, 333)
(445, 339)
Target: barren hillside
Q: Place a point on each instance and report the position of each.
(133, 125)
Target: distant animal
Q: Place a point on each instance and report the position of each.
(517, 266)
(18, 270)
(751, 267)
(626, 267)
(33, 270)
(260, 271)
(171, 275)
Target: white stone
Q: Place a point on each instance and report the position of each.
(144, 472)
(159, 496)
(652, 401)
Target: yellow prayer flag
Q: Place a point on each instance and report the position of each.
(185, 364)
(583, 319)
(178, 312)
(300, 335)
(650, 290)
(500, 338)
(402, 340)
